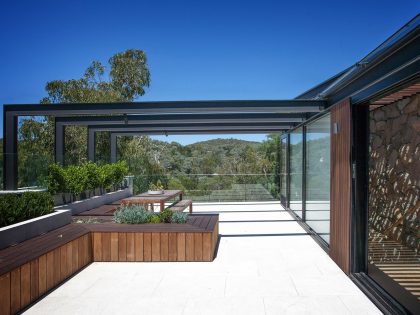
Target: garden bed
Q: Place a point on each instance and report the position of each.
(193, 241)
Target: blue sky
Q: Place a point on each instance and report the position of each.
(196, 49)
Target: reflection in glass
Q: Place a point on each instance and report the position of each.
(318, 176)
(283, 170)
(394, 205)
(296, 147)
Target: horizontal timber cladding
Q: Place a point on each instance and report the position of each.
(26, 283)
(340, 214)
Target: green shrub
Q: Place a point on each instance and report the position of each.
(92, 174)
(56, 179)
(17, 208)
(179, 217)
(105, 176)
(155, 219)
(86, 177)
(119, 170)
(133, 214)
(76, 179)
(166, 216)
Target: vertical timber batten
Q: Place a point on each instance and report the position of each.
(341, 182)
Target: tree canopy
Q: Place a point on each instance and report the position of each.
(124, 80)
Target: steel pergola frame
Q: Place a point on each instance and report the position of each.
(225, 116)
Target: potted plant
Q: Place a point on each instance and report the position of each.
(155, 188)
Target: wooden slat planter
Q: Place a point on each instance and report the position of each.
(194, 241)
(31, 269)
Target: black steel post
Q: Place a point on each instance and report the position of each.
(91, 145)
(59, 145)
(303, 193)
(113, 156)
(10, 159)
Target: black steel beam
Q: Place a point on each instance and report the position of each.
(193, 127)
(184, 118)
(215, 107)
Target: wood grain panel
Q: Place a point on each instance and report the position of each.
(340, 214)
(34, 280)
(50, 270)
(138, 244)
(189, 246)
(75, 256)
(63, 263)
(172, 247)
(69, 259)
(122, 247)
(57, 266)
(42, 273)
(198, 247)
(155, 246)
(25, 285)
(15, 291)
(147, 246)
(130, 247)
(114, 246)
(181, 246)
(207, 248)
(5, 294)
(106, 246)
(97, 242)
(164, 246)
(81, 254)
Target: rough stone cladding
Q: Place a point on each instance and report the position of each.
(394, 171)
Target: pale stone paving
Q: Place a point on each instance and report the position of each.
(283, 274)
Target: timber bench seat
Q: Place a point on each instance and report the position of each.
(34, 267)
(181, 205)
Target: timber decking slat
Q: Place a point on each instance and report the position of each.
(104, 210)
(213, 221)
(204, 222)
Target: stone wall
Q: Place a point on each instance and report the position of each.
(394, 171)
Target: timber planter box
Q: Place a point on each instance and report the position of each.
(25, 230)
(33, 268)
(195, 240)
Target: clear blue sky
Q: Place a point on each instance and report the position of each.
(196, 49)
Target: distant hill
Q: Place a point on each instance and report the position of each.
(225, 145)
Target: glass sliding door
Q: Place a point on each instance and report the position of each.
(283, 170)
(394, 203)
(317, 213)
(296, 151)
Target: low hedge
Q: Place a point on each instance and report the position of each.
(15, 208)
(76, 179)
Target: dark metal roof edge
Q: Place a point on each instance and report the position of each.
(340, 80)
